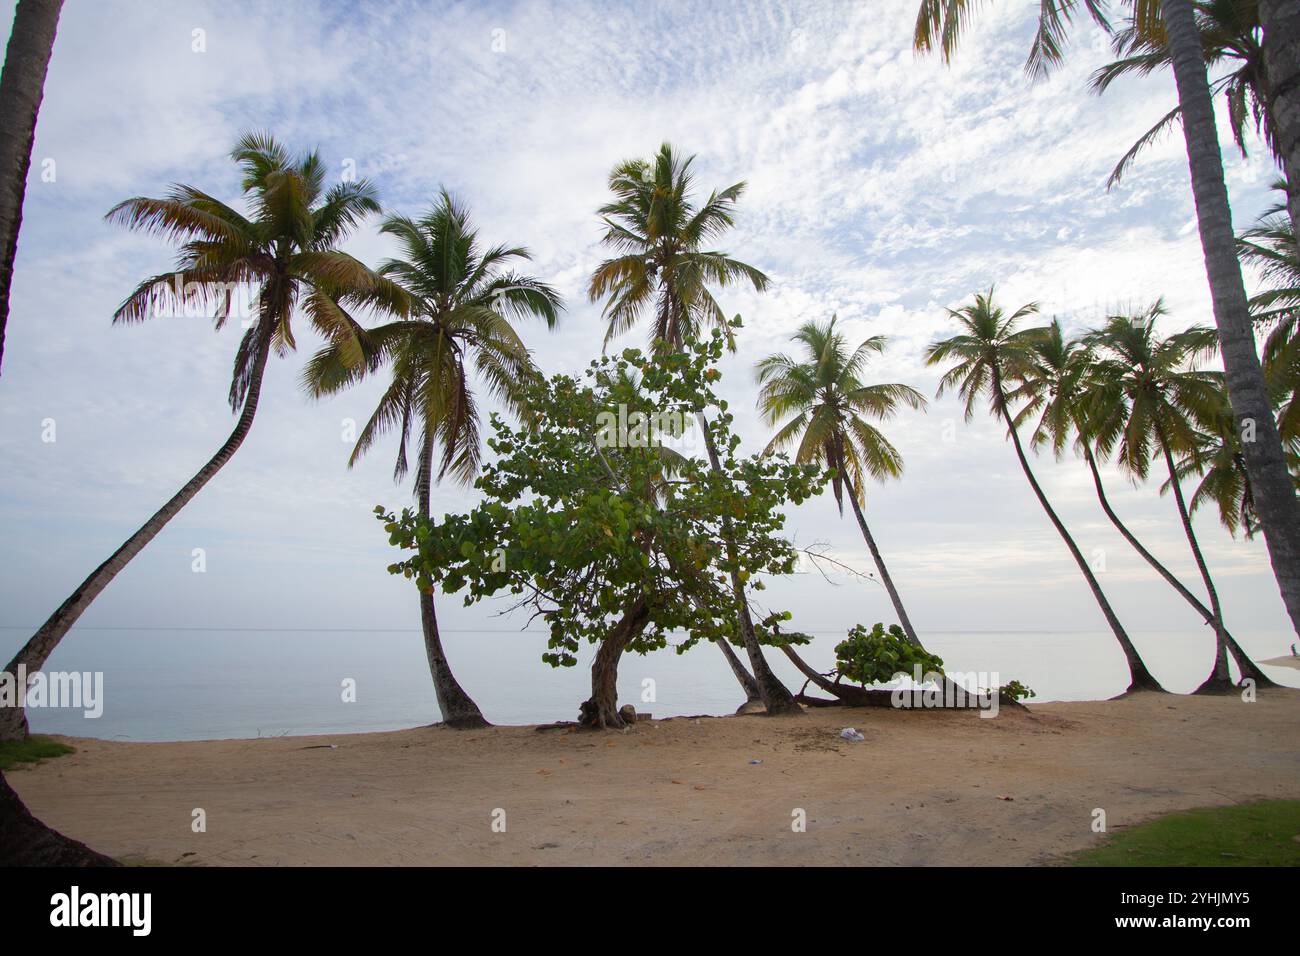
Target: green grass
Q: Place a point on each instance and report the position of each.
(1250, 834)
(32, 750)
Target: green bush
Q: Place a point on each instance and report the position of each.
(880, 655)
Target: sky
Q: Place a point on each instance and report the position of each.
(882, 186)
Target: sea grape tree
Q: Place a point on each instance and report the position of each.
(597, 519)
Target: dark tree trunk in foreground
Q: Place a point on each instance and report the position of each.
(457, 707)
(22, 85)
(26, 841)
(776, 696)
(13, 721)
(1139, 677)
(1275, 500)
(1247, 666)
(904, 621)
(1219, 681)
(1281, 22)
(601, 710)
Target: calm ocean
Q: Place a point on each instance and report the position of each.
(199, 684)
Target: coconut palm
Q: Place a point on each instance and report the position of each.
(989, 357)
(662, 269)
(1061, 388)
(285, 248)
(458, 305)
(1270, 247)
(1151, 406)
(824, 403)
(663, 266)
(22, 86)
(1230, 36)
(940, 24)
(1280, 20)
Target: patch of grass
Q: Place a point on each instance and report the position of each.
(1250, 834)
(32, 750)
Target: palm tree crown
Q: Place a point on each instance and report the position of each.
(824, 391)
(990, 353)
(285, 248)
(662, 264)
(457, 302)
(1146, 395)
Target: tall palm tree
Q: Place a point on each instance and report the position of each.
(1061, 389)
(286, 248)
(663, 269)
(1150, 406)
(824, 391)
(940, 23)
(22, 86)
(458, 302)
(990, 357)
(1230, 36)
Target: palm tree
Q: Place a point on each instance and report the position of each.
(990, 356)
(1270, 246)
(286, 249)
(22, 86)
(1281, 22)
(1151, 404)
(458, 301)
(824, 392)
(1230, 34)
(663, 268)
(940, 22)
(1062, 388)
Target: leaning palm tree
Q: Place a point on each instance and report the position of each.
(990, 356)
(663, 269)
(286, 248)
(1151, 405)
(1062, 387)
(22, 86)
(457, 305)
(940, 24)
(822, 394)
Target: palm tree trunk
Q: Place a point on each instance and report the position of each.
(776, 696)
(1139, 677)
(602, 709)
(26, 841)
(894, 598)
(1248, 668)
(22, 85)
(1219, 680)
(1275, 499)
(1281, 22)
(457, 707)
(33, 654)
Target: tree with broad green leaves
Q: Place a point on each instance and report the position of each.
(663, 270)
(603, 532)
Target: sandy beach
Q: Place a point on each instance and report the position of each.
(922, 788)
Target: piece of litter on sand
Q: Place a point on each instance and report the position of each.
(1006, 798)
(752, 762)
(848, 733)
(321, 747)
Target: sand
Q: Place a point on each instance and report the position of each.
(922, 788)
